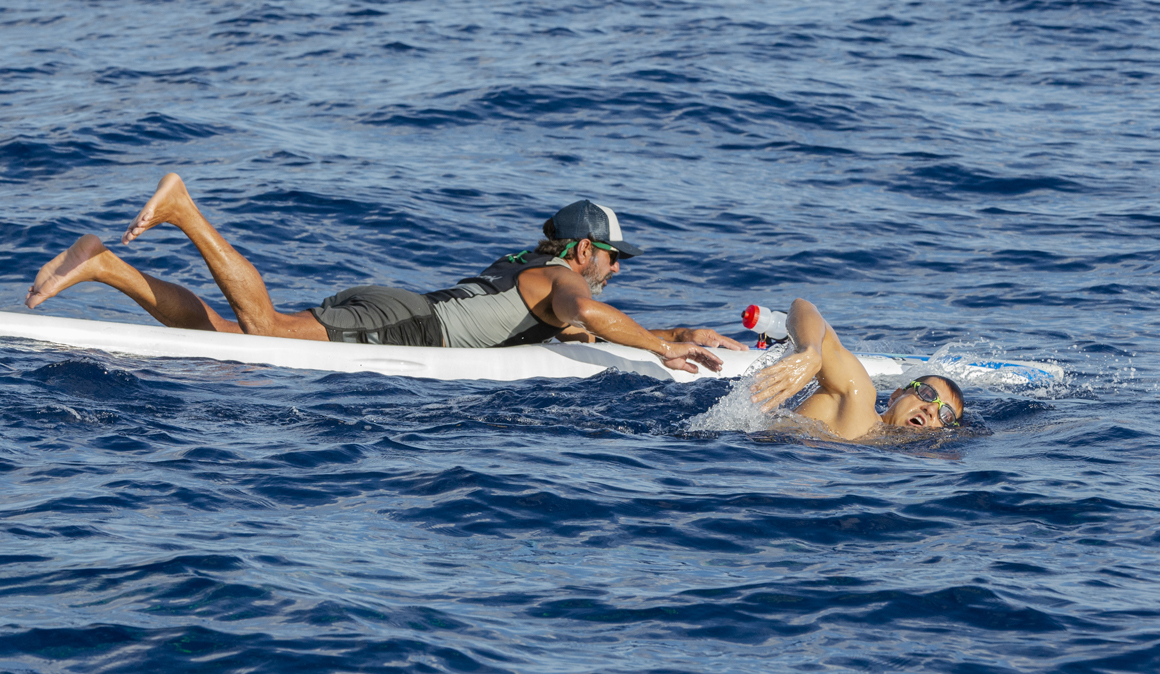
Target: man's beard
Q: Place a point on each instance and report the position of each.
(592, 276)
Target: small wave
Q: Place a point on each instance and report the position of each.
(1036, 6)
(86, 379)
(196, 75)
(116, 139)
(770, 611)
(366, 12)
(72, 506)
(885, 21)
(130, 648)
(483, 512)
(785, 146)
(400, 47)
(427, 118)
(946, 180)
(1010, 409)
(574, 107)
(30, 72)
(1018, 505)
(664, 76)
(154, 127)
(24, 160)
(267, 15)
(1108, 432)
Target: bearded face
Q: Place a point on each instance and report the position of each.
(595, 278)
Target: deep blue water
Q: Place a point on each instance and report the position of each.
(978, 176)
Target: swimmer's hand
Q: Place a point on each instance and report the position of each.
(778, 382)
(681, 356)
(703, 337)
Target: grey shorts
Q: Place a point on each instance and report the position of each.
(377, 315)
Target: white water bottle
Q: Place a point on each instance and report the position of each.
(764, 321)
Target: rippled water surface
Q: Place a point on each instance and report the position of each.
(977, 177)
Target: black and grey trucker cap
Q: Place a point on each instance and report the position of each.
(586, 220)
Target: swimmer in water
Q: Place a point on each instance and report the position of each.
(845, 397)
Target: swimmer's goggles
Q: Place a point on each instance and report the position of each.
(613, 254)
(927, 394)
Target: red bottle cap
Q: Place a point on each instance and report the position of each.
(750, 315)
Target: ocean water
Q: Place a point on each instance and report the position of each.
(973, 178)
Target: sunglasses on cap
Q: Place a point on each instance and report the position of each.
(613, 254)
(927, 394)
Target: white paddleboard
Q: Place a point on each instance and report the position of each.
(507, 364)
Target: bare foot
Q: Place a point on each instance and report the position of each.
(170, 203)
(81, 262)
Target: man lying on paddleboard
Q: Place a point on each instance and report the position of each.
(523, 298)
(845, 397)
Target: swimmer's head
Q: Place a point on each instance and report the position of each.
(915, 407)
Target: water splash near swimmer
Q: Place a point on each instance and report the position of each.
(736, 412)
(969, 364)
(957, 361)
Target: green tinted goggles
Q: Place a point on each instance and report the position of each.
(927, 394)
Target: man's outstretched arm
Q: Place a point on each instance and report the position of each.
(572, 303)
(702, 336)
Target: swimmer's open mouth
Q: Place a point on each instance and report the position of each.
(917, 420)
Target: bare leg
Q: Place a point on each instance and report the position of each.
(89, 260)
(239, 281)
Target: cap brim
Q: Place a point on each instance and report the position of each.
(626, 249)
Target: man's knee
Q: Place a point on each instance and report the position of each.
(301, 325)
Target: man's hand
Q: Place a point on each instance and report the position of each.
(680, 357)
(778, 382)
(702, 336)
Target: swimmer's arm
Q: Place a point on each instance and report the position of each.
(702, 336)
(818, 354)
(572, 303)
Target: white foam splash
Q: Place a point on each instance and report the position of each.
(735, 411)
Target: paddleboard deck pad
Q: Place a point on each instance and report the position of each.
(556, 360)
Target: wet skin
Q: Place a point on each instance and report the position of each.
(563, 297)
(845, 399)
